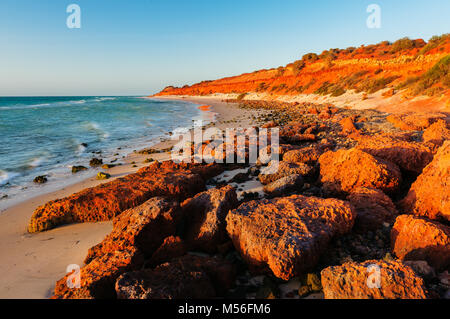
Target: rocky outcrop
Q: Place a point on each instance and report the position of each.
(284, 185)
(136, 234)
(306, 155)
(276, 170)
(415, 121)
(416, 238)
(188, 277)
(103, 202)
(429, 195)
(372, 279)
(287, 235)
(399, 149)
(373, 208)
(205, 217)
(437, 133)
(172, 247)
(345, 170)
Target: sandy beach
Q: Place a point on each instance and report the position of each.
(31, 263)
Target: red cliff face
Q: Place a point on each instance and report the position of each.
(419, 67)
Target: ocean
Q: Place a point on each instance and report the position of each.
(48, 135)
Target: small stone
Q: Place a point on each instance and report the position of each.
(76, 169)
(40, 179)
(95, 162)
(313, 281)
(103, 176)
(303, 291)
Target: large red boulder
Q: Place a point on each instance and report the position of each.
(103, 202)
(416, 238)
(188, 277)
(205, 217)
(287, 235)
(136, 234)
(429, 195)
(373, 207)
(345, 170)
(372, 279)
(276, 170)
(401, 150)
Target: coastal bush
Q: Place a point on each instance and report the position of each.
(438, 74)
(280, 71)
(298, 66)
(403, 44)
(241, 96)
(374, 85)
(310, 57)
(262, 87)
(434, 42)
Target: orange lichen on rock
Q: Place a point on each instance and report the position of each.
(345, 170)
(105, 201)
(287, 235)
(416, 238)
(372, 279)
(429, 195)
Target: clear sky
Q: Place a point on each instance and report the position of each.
(136, 47)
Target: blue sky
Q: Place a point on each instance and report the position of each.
(138, 47)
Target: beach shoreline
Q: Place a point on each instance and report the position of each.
(31, 263)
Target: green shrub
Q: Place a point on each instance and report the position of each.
(298, 66)
(402, 44)
(434, 42)
(310, 57)
(241, 96)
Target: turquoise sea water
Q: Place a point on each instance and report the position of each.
(47, 135)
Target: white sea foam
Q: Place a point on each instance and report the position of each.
(5, 177)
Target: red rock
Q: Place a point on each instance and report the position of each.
(284, 185)
(296, 132)
(416, 238)
(400, 150)
(172, 247)
(272, 173)
(144, 227)
(373, 208)
(348, 127)
(105, 201)
(429, 195)
(345, 170)
(414, 121)
(99, 276)
(270, 125)
(189, 277)
(136, 234)
(437, 133)
(205, 217)
(350, 281)
(287, 235)
(306, 155)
